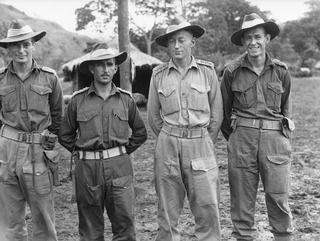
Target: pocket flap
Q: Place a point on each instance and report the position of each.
(123, 182)
(7, 89)
(275, 87)
(279, 160)
(41, 90)
(86, 115)
(198, 87)
(120, 114)
(203, 164)
(166, 92)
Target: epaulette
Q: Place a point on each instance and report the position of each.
(2, 70)
(234, 64)
(160, 68)
(278, 62)
(80, 91)
(48, 70)
(125, 91)
(206, 63)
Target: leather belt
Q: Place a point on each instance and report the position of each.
(181, 132)
(20, 136)
(259, 123)
(103, 154)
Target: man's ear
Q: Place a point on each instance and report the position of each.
(115, 68)
(268, 37)
(193, 41)
(90, 68)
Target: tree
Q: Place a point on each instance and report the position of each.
(221, 18)
(124, 44)
(145, 19)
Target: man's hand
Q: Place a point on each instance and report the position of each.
(48, 140)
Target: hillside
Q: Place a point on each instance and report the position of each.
(56, 48)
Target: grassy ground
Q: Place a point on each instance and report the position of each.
(305, 189)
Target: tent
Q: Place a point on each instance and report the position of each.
(141, 70)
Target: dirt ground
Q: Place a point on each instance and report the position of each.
(305, 178)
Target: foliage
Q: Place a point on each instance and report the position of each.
(56, 48)
(304, 34)
(97, 14)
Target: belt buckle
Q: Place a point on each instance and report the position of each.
(185, 133)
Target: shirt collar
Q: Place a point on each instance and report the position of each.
(92, 89)
(33, 67)
(193, 64)
(245, 61)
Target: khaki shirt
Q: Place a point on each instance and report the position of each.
(190, 100)
(246, 94)
(32, 104)
(92, 123)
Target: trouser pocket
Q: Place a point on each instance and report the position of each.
(90, 195)
(40, 182)
(205, 178)
(277, 174)
(89, 182)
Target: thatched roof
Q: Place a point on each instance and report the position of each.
(138, 58)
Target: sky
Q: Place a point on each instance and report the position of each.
(62, 11)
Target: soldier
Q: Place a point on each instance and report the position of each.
(30, 113)
(185, 113)
(256, 92)
(103, 126)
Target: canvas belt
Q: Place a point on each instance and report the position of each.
(182, 132)
(103, 154)
(20, 136)
(259, 123)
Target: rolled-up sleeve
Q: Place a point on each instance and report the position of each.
(154, 118)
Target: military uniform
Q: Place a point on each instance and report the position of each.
(185, 113)
(103, 133)
(255, 107)
(27, 108)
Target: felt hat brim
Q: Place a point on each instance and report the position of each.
(103, 55)
(270, 27)
(36, 36)
(196, 30)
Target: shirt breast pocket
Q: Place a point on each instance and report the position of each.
(169, 101)
(89, 125)
(9, 98)
(273, 98)
(39, 99)
(119, 128)
(198, 98)
(245, 95)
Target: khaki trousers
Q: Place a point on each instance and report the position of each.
(105, 184)
(17, 187)
(187, 166)
(255, 153)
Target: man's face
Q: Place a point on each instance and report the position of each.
(103, 71)
(255, 41)
(180, 45)
(21, 52)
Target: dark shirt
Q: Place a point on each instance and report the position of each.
(33, 104)
(92, 124)
(246, 94)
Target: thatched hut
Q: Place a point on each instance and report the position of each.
(141, 70)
